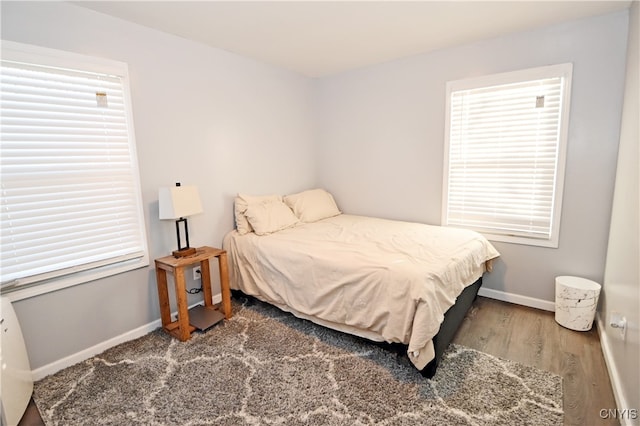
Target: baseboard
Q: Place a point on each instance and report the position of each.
(517, 299)
(68, 361)
(614, 375)
(41, 372)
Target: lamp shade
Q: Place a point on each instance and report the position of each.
(179, 201)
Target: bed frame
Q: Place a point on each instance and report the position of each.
(452, 320)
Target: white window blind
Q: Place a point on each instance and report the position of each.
(504, 164)
(70, 188)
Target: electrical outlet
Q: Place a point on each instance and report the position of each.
(196, 273)
(620, 322)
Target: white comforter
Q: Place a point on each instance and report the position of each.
(380, 279)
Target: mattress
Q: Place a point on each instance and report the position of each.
(380, 279)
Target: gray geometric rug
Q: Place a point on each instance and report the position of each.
(264, 366)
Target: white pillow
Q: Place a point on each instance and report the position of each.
(312, 205)
(241, 203)
(270, 216)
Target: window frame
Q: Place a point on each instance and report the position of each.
(564, 71)
(62, 59)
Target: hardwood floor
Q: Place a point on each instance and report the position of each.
(31, 416)
(532, 337)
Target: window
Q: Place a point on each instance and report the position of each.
(71, 203)
(506, 138)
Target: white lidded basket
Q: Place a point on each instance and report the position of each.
(576, 302)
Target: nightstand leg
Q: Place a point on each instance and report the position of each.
(181, 299)
(205, 276)
(224, 285)
(163, 297)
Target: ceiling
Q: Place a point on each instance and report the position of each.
(320, 38)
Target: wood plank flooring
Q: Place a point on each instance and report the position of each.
(532, 337)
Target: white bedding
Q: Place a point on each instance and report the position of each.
(380, 279)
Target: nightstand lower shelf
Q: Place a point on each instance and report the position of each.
(203, 317)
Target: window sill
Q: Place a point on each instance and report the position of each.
(39, 288)
(534, 242)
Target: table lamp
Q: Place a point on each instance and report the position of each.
(177, 203)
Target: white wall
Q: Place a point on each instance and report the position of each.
(202, 116)
(382, 131)
(621, 293)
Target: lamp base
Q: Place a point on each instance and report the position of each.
(189, 251)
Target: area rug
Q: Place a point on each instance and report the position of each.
(264, 366)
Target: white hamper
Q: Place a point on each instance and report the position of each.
(576, 302)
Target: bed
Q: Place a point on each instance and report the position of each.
(384, 280)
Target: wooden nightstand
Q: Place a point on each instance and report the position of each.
(182, 328)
